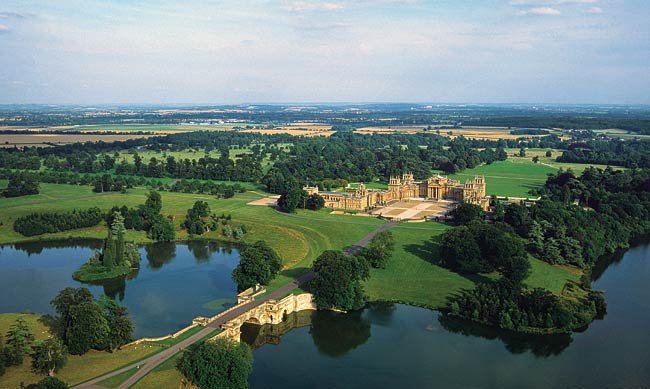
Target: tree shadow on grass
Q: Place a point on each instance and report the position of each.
(295, 272)
(429, 251)
(52, 323)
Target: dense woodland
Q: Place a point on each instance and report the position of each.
(579, 219)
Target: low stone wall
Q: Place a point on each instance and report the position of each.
(170, 336)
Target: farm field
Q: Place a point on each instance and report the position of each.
(21, 140)
(492, 133)
(412, 277)
(296, 129)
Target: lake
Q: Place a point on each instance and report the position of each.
(175, 282)
(392, 346)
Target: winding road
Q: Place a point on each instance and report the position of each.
(148, 364)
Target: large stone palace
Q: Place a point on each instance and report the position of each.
(435, 188)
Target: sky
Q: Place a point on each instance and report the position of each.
(256, 51)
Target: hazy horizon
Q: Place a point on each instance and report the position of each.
(546, 52)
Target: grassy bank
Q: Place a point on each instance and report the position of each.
(79, 368)
(412, 276)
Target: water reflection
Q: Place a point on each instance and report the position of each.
(37, 247)
(160, 254)
(175, 283)
(516, 343)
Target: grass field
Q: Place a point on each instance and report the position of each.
(516, 176)
(412, 276)
(298, 238)
(78, 368)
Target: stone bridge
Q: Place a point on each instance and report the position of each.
(269, 312)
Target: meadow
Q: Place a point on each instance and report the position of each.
(413, 277)
(516, 176)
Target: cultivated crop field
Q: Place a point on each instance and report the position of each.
(37, 139)
(492, 133)
(296, 129)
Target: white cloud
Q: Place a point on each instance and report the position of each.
(595, 10)
(307, 6)
(3, 28)
(546, 11)
(551, 2)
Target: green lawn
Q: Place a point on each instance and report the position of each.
(80, 368)
(412, 277)
(164, 376)
(299, 238)
(116, 380)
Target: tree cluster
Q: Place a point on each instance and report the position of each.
(85, 324)
(505, 304)
(337, 282)
(48, 356)
(258, 264)
(217, 363)
(21, 184)
(379, 250)
(147, 217)
(483, 248)
(44, 223)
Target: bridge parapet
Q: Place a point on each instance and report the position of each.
(270, 312)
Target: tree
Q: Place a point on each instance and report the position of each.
(2, 358)
(291, 199)
(522, 152)
(315, 202)
(218, 363)
(379, 250)
(549, 153)
(258, 264)
(89, 328)
(19, 342)
(337, 283)
(49, 356)
(51, 383)
(63, 304)
(153, 202)
(536, 159)
(466, 213)
(162, 229)
(120, 324)
(21, 184)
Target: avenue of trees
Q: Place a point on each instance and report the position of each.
(50, 222)
(217, 363)
(119, 183)
(258, 264)
(83, 323)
